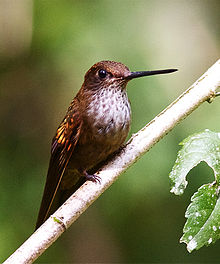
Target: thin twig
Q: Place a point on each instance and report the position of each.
(202, 90)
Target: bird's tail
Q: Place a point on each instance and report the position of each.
(60, 197)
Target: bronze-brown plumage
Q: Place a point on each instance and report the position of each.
(96, 125)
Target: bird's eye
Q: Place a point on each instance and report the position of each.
(102, 73)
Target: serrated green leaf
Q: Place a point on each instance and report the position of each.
(203, 214)
(204, 146)
(203, 218)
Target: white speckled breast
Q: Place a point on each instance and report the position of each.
(111, 114)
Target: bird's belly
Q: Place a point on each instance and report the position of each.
(106, 124)
(96, 147)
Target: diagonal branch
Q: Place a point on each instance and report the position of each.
(204, 89)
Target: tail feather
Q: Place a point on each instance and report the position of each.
(60, 197)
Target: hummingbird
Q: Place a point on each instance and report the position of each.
(95, 126)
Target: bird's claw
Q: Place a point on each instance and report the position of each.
(92, 177)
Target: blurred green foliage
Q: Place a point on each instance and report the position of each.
(46, 46)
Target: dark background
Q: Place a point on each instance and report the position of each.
(45, 49)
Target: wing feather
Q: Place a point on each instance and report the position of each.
(62, 147)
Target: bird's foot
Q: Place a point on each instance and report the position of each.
(92, 177)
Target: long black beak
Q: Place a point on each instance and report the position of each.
(148, 73)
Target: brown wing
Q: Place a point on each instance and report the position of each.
(62, 148)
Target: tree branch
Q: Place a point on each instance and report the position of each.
(204, 89)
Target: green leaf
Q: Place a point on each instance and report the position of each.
(203, 214)
(204, 146)
(203, 218)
